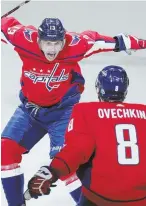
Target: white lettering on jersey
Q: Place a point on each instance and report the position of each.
(85, 36)
(12, 30)
(70, 125)
(47, 79)
(121, 113)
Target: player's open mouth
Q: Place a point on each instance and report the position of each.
(51, 55)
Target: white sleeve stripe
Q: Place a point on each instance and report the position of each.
(74, 185)
(100, 45)
(11, 173)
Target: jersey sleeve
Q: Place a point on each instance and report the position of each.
(79, 145)
(96, 43)
(15, 33)
(10, 27)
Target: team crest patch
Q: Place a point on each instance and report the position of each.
(75, 40)
(28, 34)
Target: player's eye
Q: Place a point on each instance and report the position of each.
(48, 43)
(57, 43)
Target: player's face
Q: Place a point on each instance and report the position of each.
(51, 48)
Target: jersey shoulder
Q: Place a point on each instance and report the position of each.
(77, 39)
(27, 38)
(23, 38)
(87, 107)
(75, 47)
(135, 106)
(73, 38)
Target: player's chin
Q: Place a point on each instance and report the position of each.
(50, 57)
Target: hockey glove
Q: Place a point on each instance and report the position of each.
(40, 184)
(128, 42)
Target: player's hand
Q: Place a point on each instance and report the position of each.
(40, 184)
(128, 43)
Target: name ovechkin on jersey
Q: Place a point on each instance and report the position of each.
(49, 78)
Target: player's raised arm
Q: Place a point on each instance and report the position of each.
(15, 33)
(9, 27)
(99, 43)
(79, 140)
(78, 149)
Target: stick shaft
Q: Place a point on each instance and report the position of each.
(14, 9)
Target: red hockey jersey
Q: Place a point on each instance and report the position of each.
(46, 83)
(115, 134)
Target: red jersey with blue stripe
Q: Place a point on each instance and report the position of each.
(43, 82)
(111, 138)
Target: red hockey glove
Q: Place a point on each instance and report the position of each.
(40, 184)
(128, 42)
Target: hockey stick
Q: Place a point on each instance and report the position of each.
(16, 8)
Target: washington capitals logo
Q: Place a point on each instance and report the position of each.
(48, 79)
(75, 40)
(28, 34)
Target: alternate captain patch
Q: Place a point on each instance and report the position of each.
(28, 34)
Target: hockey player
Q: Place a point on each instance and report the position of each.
(106, 140)
(51, 83)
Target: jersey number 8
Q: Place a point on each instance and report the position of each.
(124, 145)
